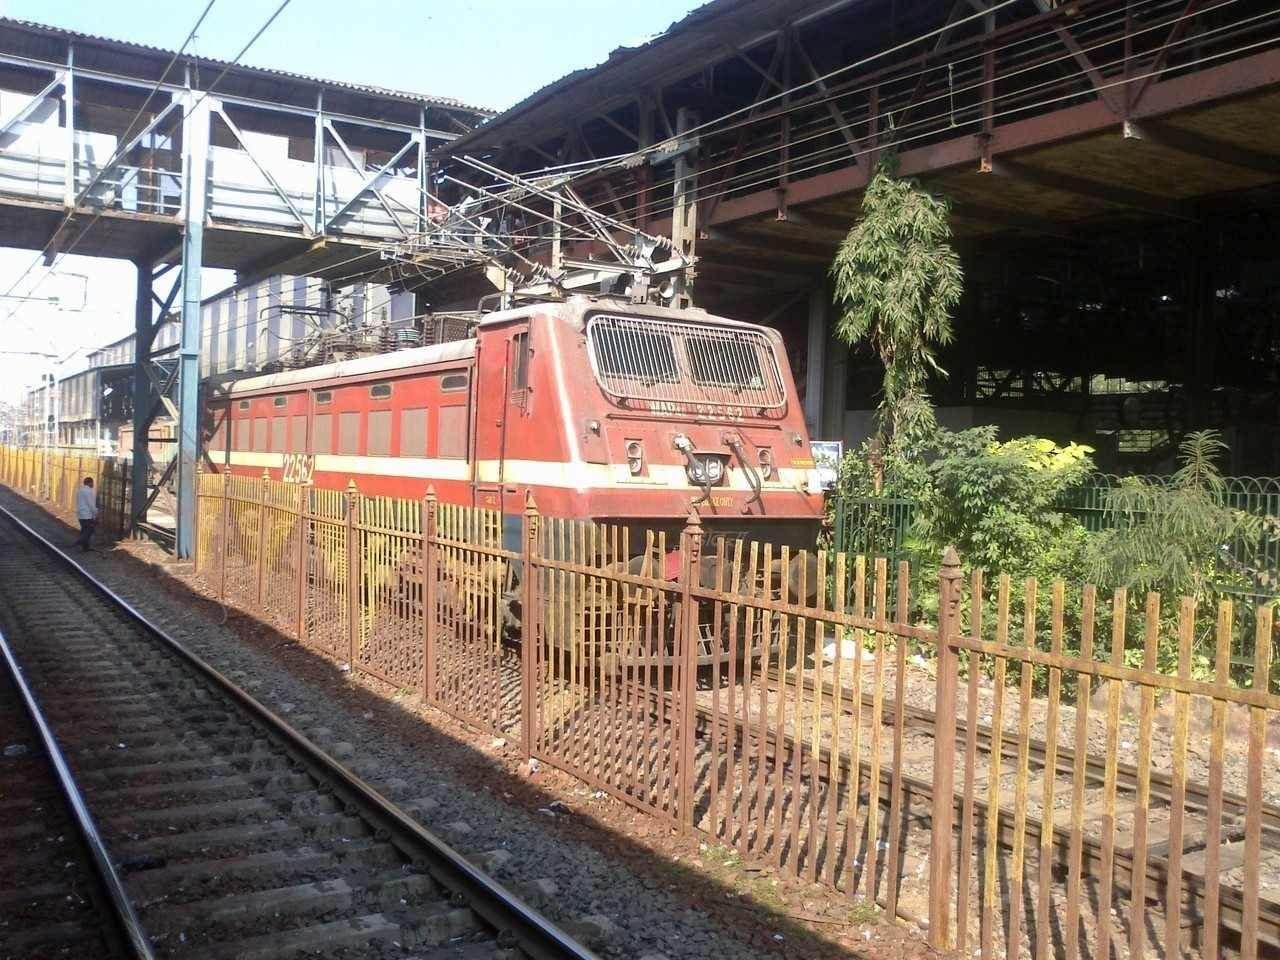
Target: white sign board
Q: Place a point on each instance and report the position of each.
(826, 461)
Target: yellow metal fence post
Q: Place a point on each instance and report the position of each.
(430, 560)
(353, 575)
(303, 503)
(944, 739)
(530, 620)
(260, 558)
(226, 532)
(687, 647)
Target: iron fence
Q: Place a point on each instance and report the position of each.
(881, 526)
(774, 702)
(55, 476)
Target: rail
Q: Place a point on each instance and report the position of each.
(537, 936)
(134, 937)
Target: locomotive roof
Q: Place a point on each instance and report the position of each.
(397, 360)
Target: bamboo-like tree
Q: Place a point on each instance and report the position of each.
(897, 278)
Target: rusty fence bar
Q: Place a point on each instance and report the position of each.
(1028, 768)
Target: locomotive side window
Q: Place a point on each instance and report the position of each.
(298, 434)
(279, 401)
(413, 432)
(380, 432)
(453, 432)
(279, 433)
(454, 381)
(349, 433)
(380, 391)
(260, 434)
(520, 362)
(324, 396)
(322, 441)
(244, 404)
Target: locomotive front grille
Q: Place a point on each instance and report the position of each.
(684, 367)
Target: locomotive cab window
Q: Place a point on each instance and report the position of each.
(520, 362)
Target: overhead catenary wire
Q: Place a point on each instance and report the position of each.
(663, 204)
(903, 135)
(727, 184)
(589, 168)
(763, 174)
(815, 159)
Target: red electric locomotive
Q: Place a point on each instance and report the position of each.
(605, 410)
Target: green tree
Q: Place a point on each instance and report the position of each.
(1174, 537)
(897, 278)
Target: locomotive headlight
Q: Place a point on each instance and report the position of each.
(635, 457)
(766, 463)
(705, 468)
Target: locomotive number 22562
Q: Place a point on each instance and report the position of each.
(298, 467)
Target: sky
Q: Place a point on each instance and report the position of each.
(489, 53)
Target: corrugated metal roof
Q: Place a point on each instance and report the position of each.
(128, 45)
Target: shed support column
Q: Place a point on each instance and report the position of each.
(684, 213)
(143, 331)
(835, 394)
(816, 359)
(195, 135)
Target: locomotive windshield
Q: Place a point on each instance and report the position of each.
(724, 363)
(623, 351)
(684, 364)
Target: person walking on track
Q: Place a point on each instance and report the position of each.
(86, 513)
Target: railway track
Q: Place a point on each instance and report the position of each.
(1161, 785)
(58, 893)
(233, 835)
(915, 789)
